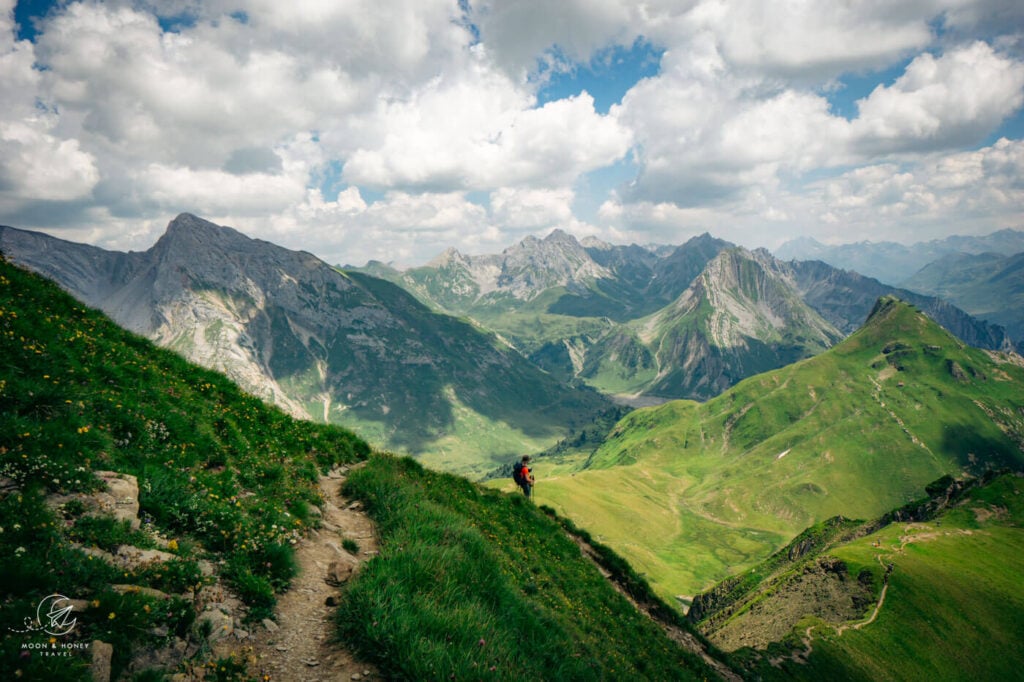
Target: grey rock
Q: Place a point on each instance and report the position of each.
(121, 499)
(339, 571)
(134, 557)
(139, 589)
(221, 624)
(102, 653)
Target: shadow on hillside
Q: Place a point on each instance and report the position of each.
(393, 361)
(978, 452)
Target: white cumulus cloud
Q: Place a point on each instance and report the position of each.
(392, 129)
(941, 102)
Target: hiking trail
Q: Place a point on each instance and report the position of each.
(802, 656)
(685, 639)
(301, 646)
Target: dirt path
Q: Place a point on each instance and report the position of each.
(302, 648)
(677, 634)
(808, 641)
(878, 605)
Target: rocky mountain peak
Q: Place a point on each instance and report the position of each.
(186, 226)
(192, 242)
(449, 257)
(560, 236)
(533, 264)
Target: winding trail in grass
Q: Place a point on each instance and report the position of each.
(303, 647)
(685, 639)
(808, 640)
(878, 604)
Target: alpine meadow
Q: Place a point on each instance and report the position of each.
(472, 340)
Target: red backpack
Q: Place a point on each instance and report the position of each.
(520, 473)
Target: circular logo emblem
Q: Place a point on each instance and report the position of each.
(54, 615)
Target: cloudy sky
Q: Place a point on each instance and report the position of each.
(392, 129)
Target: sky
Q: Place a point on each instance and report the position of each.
(394, 129)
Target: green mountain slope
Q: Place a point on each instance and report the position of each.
(476, 584)
(468, 582)
(692, 492)
(229, 479)
(931, 591)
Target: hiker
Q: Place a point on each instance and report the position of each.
(522, 474)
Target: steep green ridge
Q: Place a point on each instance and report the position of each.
(951, 606)
(476, 584)
(229, 479)
(693, 492)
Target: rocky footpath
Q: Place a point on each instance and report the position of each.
(301, 645)
(297, 644)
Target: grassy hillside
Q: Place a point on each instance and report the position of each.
(229, 480)
(951, 608)
(470, 582)
(476, 584)
(693, 492)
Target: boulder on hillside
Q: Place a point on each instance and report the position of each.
(120, 498)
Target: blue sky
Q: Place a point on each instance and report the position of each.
(393, 129)
(608, 75)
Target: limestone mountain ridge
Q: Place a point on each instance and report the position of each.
(337, 347)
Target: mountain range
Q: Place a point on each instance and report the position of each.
(989, 286)
(495, 353)
(344, 348)
(686, 322)
(895, 263)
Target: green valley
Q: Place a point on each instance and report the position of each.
(694, 492)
